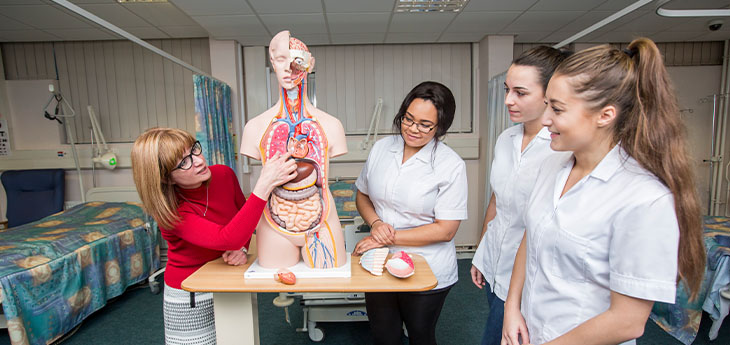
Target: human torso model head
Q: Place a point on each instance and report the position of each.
(300, 220)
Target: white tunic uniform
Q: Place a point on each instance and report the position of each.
(512, 178)
(615, 230)
(428, 186)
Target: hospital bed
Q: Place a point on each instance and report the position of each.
(682, 319)
(58, 270)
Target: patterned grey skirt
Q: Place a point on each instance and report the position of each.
(186, 325)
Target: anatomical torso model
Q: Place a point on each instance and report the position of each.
(300, 220)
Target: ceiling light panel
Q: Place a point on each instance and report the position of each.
(138, 1)
(425, 6)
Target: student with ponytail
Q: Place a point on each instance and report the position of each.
(611, 228)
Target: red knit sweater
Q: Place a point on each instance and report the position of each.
(227, 225)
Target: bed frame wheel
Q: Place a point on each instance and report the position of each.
(155, 287)
(316, 334)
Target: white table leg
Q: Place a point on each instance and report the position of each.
(236, 318)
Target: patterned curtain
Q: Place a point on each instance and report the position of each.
(214, 120)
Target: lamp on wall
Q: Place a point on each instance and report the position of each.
(103, 156)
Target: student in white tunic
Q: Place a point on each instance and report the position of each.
(518, 154)
(412, 192)
(611, 227)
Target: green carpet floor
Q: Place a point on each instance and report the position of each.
(136, 318)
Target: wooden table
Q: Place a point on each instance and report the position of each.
(234, 298)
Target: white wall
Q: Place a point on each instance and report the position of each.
(694, 86)
(225, 58)
(495, 57)
(4, 115)
(350, 79)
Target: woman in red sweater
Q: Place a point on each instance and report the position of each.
(202, 214)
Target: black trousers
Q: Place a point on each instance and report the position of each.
(387, 311)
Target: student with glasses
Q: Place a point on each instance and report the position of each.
(412, 192)
(202, 214)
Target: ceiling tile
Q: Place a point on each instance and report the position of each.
(231, 26)
(90, 34)
(411, 37)
(713, 36)
(93, 1)
(461, 37)
(585, 21)
(11, 24)
(529, 36)
(591, 37)
(482, 22)
(510, 5)
(358, 38)
(314, 39)
(184, 31)
(257, 40)
(347, 23)
(339, 6)
(298, 24)
(207, 8)
(674, 36)
(652, 22)
(162, 14)
(557, 36)
(24, 2)
(28, 36)
(147, 32)
(616, 5)
(286, 6)
(420, 22)
(115, 14)
(625, 19)
(619, 36)
(698, 24)
(43, 17)
(566, 5)
(547, 21)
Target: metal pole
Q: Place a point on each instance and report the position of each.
(712, 153)
(596, 26)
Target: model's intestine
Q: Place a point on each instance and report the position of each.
(299, 205)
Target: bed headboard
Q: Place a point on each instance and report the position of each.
(113, 194)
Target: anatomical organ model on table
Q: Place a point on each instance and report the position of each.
(300, 220)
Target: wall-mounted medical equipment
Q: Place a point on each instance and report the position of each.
(59, 112)
(102, 154)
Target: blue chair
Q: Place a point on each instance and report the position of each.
(33, 194)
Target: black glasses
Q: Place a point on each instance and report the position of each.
(187, 162)
(408, 122)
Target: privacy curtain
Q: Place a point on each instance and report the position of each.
(497, 121)
(214, 120)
